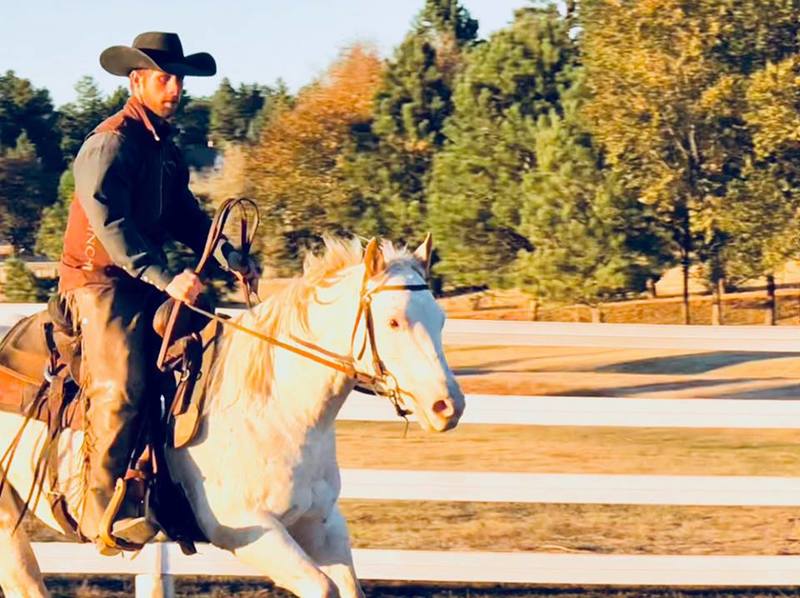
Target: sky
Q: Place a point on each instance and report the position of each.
(55, 42)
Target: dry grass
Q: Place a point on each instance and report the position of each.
(595, 529)
(571, 450)
(625, 372)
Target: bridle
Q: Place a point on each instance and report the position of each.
(382, 382)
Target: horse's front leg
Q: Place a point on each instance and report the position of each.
(19, 571)
(265, 545)
(328, 543)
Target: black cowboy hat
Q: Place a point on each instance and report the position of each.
(158, 51)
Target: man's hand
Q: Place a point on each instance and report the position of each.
(248, 268)
(185, 287)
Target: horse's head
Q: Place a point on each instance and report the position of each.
(407, 324)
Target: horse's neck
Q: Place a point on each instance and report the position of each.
(301, 397)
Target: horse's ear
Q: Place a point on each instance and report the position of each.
(373, 258)
(423, 253)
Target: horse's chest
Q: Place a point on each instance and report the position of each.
(304, 494)
(306, 486)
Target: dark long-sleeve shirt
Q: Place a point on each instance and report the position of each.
(131, 195)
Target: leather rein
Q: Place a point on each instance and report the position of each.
(382, 382)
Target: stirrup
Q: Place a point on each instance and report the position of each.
(107, 543)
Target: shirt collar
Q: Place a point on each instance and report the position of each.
(159, 128)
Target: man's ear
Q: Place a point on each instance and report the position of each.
(373, 259)
(423, 253)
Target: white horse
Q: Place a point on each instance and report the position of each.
(262, 476)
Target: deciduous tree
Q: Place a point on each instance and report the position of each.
(294, 171)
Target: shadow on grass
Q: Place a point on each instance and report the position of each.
(788, 391)
(698, 363)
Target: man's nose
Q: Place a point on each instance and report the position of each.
(174, 86)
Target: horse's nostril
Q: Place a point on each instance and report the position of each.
(442, 407)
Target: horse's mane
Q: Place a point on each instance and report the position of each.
(285, 313)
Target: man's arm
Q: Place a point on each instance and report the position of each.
(104, 173)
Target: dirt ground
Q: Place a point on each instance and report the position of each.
(94, 587)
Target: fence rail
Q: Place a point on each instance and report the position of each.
(464, 567)
(602, 411)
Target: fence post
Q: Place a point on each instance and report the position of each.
(158, 583)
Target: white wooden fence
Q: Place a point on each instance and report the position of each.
(155, 567)
(629, 336)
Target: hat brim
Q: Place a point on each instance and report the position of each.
(121, 60)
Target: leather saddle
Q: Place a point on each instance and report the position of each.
(45, 345)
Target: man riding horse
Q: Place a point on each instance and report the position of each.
(132, 195)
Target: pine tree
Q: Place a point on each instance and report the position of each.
(475, 191)
(193, 121)
(589, 239)
(233, 111)
(20, 283)
(50, 236)
(390, 166)
(25, 188)
(278, 99)
(25, 109)
(77, 119)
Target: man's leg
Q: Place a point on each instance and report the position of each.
(115, 341)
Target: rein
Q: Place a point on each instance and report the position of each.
(247, 208)
(382, 383)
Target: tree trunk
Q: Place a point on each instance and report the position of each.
(716, 307)
(651, 288)
(533, 306)
(685, 305)
(771, 310)
(476, 301)
(597, 314)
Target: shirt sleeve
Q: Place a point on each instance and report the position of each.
(188, 222)
(104, 173)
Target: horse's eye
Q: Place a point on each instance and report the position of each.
(394, 324)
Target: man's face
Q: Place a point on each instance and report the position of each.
(159, 91)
